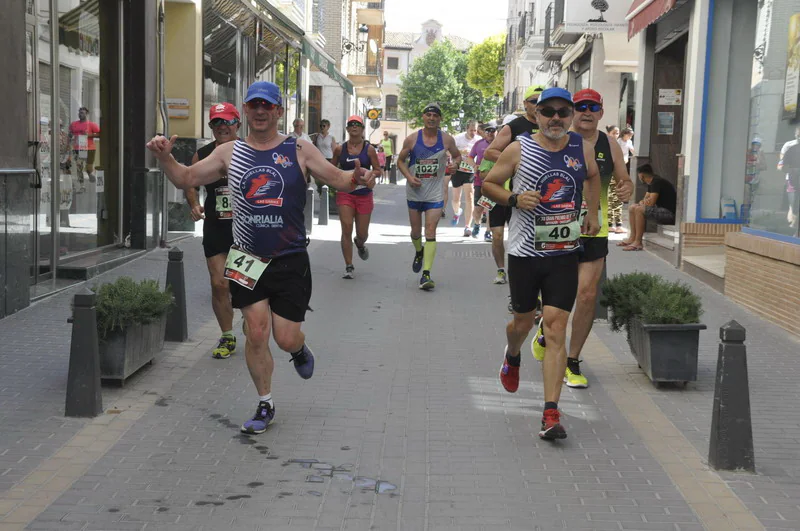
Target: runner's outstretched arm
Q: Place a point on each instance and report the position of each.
(501, 141)
(311, 158)
(500, 173)
(591, 190)
(206, 171)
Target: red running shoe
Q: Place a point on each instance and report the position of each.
(551, 428)
(509, 376)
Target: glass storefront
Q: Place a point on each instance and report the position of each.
(66, 121)
(771, 200)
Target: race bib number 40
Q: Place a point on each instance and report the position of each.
(557, 232)
(427, 168)
(244, 268)
(224, 207)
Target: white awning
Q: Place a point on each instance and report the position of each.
(573, 52)
(621, 55)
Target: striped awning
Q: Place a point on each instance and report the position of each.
(79, 28)
(644, 12)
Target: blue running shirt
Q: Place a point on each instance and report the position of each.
(553, 227)
(428, 164)
(269, 195)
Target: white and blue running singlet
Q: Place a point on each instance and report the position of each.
(428, 164)
(269, 195)
(553, 227)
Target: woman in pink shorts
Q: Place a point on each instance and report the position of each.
(356, 205)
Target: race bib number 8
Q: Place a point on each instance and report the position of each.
(224, 206)
(244, 268)
(427, 168)
(557, 232)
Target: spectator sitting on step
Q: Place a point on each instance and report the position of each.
(658, 204)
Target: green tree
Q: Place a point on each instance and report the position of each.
(483, 66)
(440, 76)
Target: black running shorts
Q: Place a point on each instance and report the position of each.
(461, 178)
(217, 237)
(556, 277)
(499, 216)
(593, 249)
(286, 284)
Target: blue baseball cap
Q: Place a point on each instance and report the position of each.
(266, 91)
(555, 93)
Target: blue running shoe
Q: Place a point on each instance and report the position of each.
(475, 230)
(258, 424)
(425, 282)
(416, 266)
(304, 363)
(487, 236)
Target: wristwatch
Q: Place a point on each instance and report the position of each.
(512, 201)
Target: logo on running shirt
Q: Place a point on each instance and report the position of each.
(283, 160)
(262, 187)
(572, 163)
(558, 190)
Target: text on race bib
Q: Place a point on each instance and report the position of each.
(427, 168)
(486, 203)
(465, 167)
(244, 268)
(557, 232)
(224, 206)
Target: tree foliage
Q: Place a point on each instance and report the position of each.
(441, 76)
(483, 66)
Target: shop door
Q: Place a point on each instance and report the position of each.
(667, 121)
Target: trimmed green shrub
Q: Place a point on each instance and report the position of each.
(125, 302)
(651, 299)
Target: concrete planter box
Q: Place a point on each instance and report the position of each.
(666, 352)
(123, 353)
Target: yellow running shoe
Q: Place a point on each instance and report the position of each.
(225, 347)
(576, 380)
(538, 344)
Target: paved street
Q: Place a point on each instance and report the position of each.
(404, 425)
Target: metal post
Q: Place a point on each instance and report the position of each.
(323, 205)
(601, 311)
(84, 397)
(55, 144)
(177, 323)
(121, 124)
(731, 445)
(308, 212)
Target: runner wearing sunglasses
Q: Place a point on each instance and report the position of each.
(217, 227)
(594, 249)
(552, 171)
(423, 161)
(355, 205)
(268, 264)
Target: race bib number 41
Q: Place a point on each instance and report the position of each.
(224, 207)
(427, 168)
(557, 232)
(244, 268)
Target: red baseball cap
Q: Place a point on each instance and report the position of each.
(224, 110)
(587, 95)
(356, 118)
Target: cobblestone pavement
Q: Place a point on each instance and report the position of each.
(404, 425)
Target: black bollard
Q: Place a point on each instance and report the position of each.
(177, 324)
(323, 206)
(731, 445)
(600, 311)
(84, 398)
(393, 175)
(308, 211)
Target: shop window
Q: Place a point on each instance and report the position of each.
(391, 107)
(392, 63)
(771, 199)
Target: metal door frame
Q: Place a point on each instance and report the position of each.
(34, 113)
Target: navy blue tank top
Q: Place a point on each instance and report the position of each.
(347, 162)
(269, 195)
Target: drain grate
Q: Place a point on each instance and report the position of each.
(469, 254)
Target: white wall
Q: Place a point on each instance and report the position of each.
(391, 77)
(606, 83)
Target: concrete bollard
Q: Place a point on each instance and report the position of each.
(308, 212)
(600, 311)
(177, 323)
(324, 206)
(84, 397)
(731, 445)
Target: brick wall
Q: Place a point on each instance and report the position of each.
(705, 234)
(764, 276)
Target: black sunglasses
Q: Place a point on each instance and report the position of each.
(258, 102)
(216, 122)
(593, 107)
(532, 101)
(354, 123)
(490, 130)
(549, 112)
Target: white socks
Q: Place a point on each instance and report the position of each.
(268, 399)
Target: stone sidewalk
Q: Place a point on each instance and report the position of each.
(404, 425)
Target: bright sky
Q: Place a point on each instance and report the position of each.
(472, 19)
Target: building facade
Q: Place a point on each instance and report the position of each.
(525, 64)
(717, 98)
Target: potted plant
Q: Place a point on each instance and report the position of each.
(662, 323)
(131, 318)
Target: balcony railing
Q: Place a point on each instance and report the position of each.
(391, 114)
(376, 5)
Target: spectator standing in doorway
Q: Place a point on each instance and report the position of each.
(299, 130)
(325, 141)
(388, 150)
